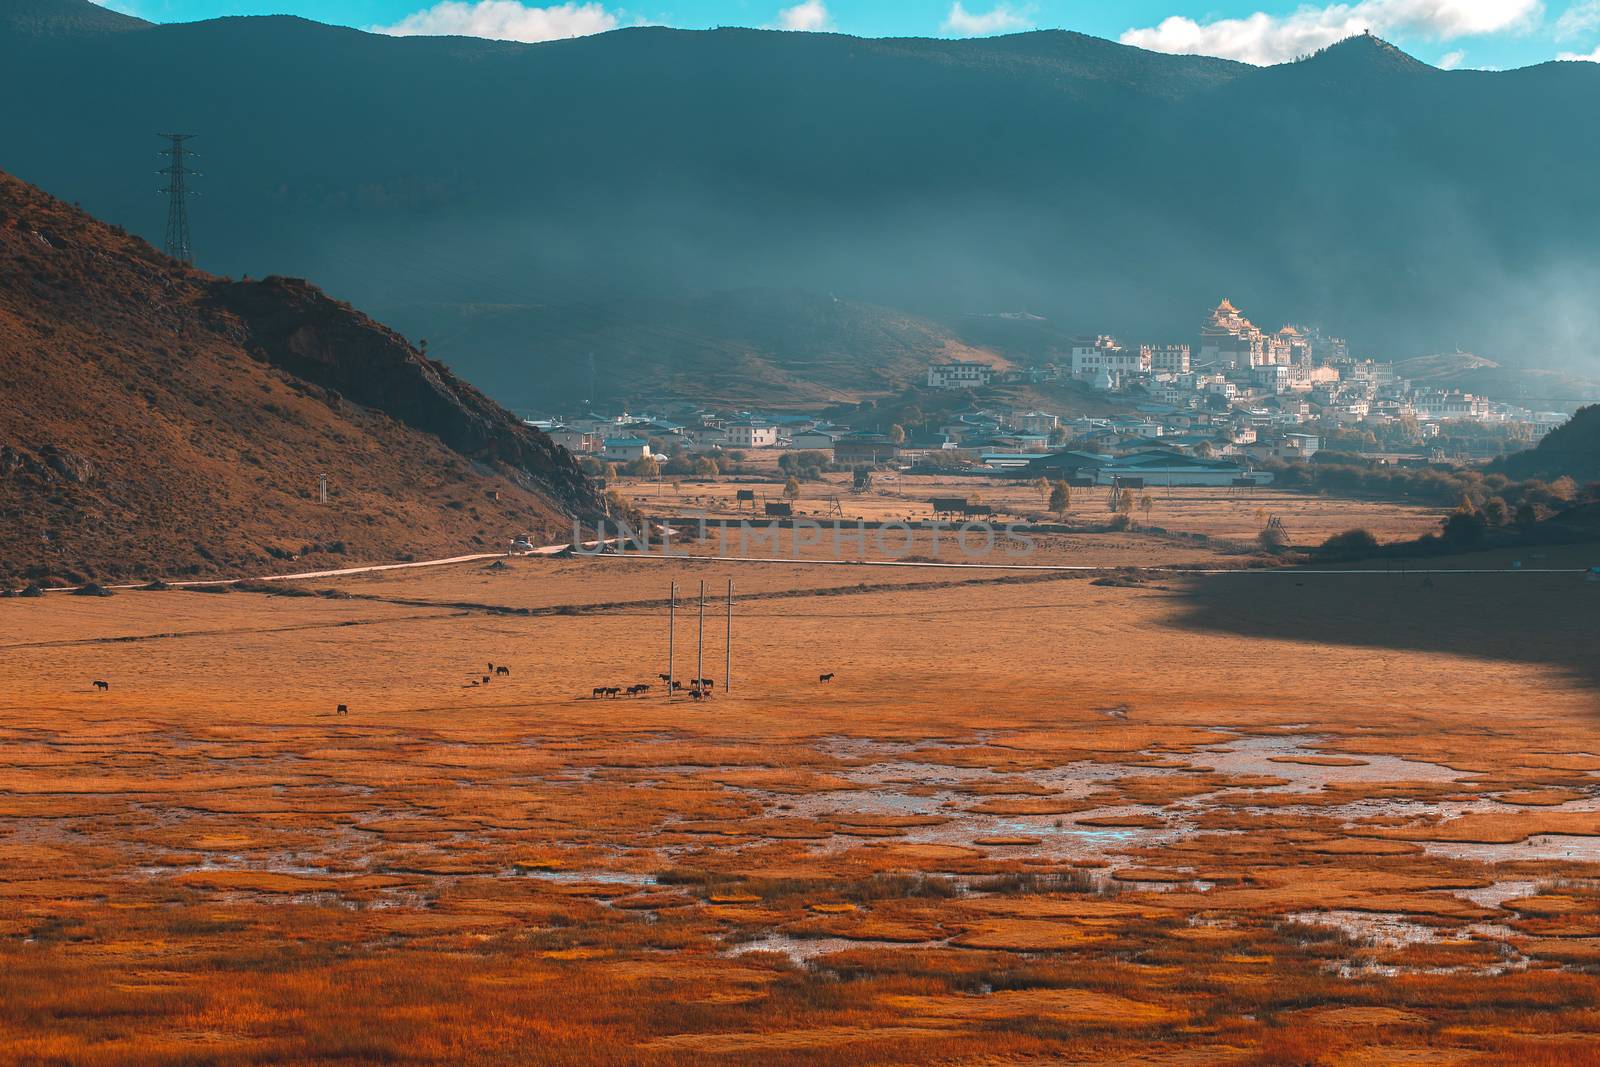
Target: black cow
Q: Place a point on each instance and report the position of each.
(104, 687)
(824, 677)
(503, 671)
(344, 709)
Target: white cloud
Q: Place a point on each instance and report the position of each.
(964, 23)
(808, 15)
(1263, 39)
(504, 20)
(1578, 19)
(1592, 57)
(1452, 60)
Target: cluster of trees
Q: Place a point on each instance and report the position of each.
(1058, 499)
(651, 467)
(1406, 433)
(1492, 492)
(807, 466)
(1471, 525)
(1572, 448)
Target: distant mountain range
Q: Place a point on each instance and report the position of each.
(1101, 187)
(156, 420)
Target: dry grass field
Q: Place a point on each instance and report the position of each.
(1215, 512)
(1259, 817)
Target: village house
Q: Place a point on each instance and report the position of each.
(626, 449)
(1104, 363)
(813, 440)
(1159, 467)
(578, 442)
(1441, 405)
(1299, 446)
(1166, 359)
(925, 441)
(1035, 421)
(750, 433)
(863, 447)
(959, 375)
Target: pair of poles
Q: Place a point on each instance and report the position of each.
(700, 640)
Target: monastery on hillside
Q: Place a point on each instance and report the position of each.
(1230, 340)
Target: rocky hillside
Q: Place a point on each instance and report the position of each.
(156, 420)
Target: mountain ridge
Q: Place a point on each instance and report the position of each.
(1105, 187)
(65, 17)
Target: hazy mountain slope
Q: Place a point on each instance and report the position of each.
(1100, 186)
(1538, 389)
(750, 346)
(155, 419)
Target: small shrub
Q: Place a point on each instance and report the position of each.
(1352, 544)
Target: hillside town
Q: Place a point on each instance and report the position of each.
(1214, 413)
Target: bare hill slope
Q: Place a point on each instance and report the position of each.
(157, 420)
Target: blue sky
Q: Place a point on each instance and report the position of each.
(1450, 33)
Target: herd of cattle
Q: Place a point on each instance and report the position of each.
(698, 688)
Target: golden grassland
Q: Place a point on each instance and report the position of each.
(1226, 514)
(1243, 818)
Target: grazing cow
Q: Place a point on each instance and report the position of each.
(824, 677)
(614, 691)
(599, 690)
(486, 679)
(104, 687)
(504, 671)
(707, 683)
(491, 668)
(697, 694)
(665, 677)
(344, 709)
(676, 686)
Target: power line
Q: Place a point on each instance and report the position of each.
(178, 194)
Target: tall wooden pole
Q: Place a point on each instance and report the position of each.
(727, 646)
(672, 618)
(700, 653)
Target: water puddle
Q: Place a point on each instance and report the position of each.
(1387, 929)
(1578, 849)
(803, 950)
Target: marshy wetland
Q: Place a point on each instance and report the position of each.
(1240, 818)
